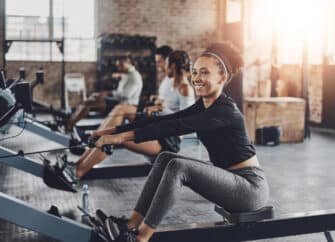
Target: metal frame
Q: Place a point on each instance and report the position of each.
(286, 225)
(22, 163)
(35, 168)
(41, 130)
(15, 211)
(62, 229)
(118, 171)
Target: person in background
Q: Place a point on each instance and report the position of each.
(175, 93)
(128, 92)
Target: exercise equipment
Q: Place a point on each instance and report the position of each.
(268, 135)
(11, 103)
(51, 175)
(249, 226)
(15, 211)
(12, 98)
(108, 149)
(59, 115)
(240, 226)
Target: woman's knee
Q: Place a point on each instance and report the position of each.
(164, 157)
(176, 166)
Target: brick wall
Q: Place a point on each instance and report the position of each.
(50, 92)
(184, 24)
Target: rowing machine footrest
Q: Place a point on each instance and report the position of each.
(53, 178)
(54, 211)
(244, 217)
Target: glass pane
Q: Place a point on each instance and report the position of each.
(78, 24)
(28, 51)
(27, 27)
(27, 8)
(80, 50)
(23, 22)
(35, 51)
(290, 50)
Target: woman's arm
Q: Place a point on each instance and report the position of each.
(103, 132)
(208, 119)
(153, 119)
(115, 139)
(126, 132)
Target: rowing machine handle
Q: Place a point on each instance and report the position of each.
(108, 148)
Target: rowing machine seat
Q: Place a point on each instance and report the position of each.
(244, 217)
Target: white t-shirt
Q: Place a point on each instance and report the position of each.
(130, 87)
(173, 100)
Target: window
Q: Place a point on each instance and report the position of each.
(43, 20)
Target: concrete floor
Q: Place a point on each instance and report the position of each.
(300, 177)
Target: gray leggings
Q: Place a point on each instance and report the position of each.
(239, 190)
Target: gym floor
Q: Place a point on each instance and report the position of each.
(300, 177)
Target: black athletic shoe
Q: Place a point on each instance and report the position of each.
(129, 236)
(67, 169)
(119, 234)
(54, 177)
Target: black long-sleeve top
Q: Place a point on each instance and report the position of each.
(220, 128)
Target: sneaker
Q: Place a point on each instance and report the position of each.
(129, 236)
(117, 230)
(68, 169)
(53, 177)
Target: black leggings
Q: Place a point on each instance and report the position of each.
(240, 190)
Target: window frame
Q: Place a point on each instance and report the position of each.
(51, 57)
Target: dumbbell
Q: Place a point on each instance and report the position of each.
(108, 149)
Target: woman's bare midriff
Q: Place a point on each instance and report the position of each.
(253, 161)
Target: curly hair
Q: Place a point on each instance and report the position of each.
(226, 54)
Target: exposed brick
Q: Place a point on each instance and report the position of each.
(184, 24)
(50, 92)
(177, 23)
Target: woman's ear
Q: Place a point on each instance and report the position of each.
(222, 79)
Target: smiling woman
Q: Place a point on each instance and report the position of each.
(220, 61)
(232, 179)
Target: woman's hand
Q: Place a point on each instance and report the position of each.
(102, 132)
(159, 102)
(151, 109)
(116, 139)
(153, 98)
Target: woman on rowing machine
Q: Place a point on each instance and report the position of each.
(233, 179)
(176, 94)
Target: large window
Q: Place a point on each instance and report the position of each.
(32, 23)
(297, 26)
